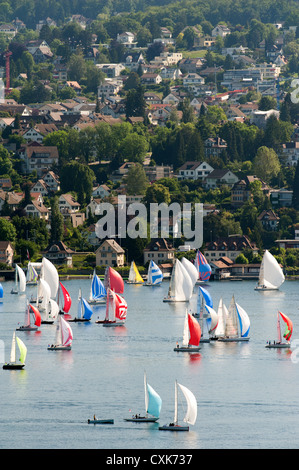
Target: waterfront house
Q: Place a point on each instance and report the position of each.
(110, 253)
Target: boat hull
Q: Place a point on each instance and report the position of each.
(100, 421)
(59, 348)
(78, 320)
(47, 322)
(141, 419)
(13, 366)
(173, 427)
(186, 349)
(265, 288)
(234, 340)
(278, 346)
(97, 302)
(173, 300)
(27, 328)
(113, 323)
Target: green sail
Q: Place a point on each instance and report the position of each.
(23, 350)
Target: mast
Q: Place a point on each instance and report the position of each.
(13, 348)
(145, 394)
(278, 328)
(175, 420)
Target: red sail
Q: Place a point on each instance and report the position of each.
(121, 308)
(116, 282)
(195, 330)
(67, 299)
(37, 315)
(289, 326)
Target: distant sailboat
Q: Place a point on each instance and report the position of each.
(271, 275)
(20, 281)
(287, 334)
(84, 310)
(31, 275)
(191, 413)
(203, 267)
(153, 404)
(13, 364)
(191, 335)
(180, 286)
(116, 310)
(64, 336)
(134, 275)
(97, 290)
(31, 312)
(237, 324)
(154, 275)
(113, 281)
(66, 298)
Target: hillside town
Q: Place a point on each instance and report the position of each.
(197, 115)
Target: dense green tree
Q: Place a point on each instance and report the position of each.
(266, 164)
(75, 176)
(295, 201)
(136, 180)
(7, 230)
(56, 222)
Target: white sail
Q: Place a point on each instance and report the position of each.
(222, 313)
(13, 348)
(186, 332)
(22, 279)
(244, 321)
(50, 274)
(231, 326)
(180, 287)
(191, 414)
(53, 309)
(271, 275)
(44, 293)
(214, 318)
(132, 275)
(191, 269)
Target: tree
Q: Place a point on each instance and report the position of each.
(135, 102)
(134, 147)
(295, 201)
(56, 222)
(75, 176)
(7, 231)
(136, 180)
(266, 164)
(266, 103)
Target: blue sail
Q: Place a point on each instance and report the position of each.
(1, 292)
(156, 273)
(207, 297)
(154, 402)
(87, 310)
(98, 290)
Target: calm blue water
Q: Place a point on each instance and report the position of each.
(248, 396)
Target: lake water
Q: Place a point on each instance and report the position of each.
(248, 396)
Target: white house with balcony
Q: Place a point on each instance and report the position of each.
(194, 171)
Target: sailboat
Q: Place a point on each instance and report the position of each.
(97, 290)
(287, 335)
(52, 312)
(84, 310)
(203, 268)
(43, 295)
(113, 281)
(64, 336)
(154, 275)
(67, 301)
(191, 335)
(134, 275)
(31, 275)
(180, 286)
(116, 310)
(20, 281)
(271, 275)
(153, 404)
(50, 274)
(237, 324)
(13, 364)
(31, 312)
(208, 318)
(191, 414)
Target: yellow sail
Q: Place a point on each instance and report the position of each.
(23, 350)
(138, 278)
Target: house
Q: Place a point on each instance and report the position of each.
(67, 204)
(52, 181)
(37, 209)
(171, 99)
(220, 177)
(127, 39)
(111, 70)
(151, 79)
(233, 113)
(110, 253)
(6, 121)
(74, 85)
(39, 158)
(159, 251)
(290, 150)
(214, 146)
(8, 30)
(154, 173)
(60, 254)
(220, 30)
(259, 118)
(241, 191)
(193, 80)
(6, 253)
(40, 187)
(229, 247)
(10, 198)
(269, 219)
(194, 170)
(281, 197)
(101, 191)
(152, 98)
(40, 50)
(110, 87)
(93, 207)
(60, 72)
(204, 42)
(190, 65)
(5, 184)
(47, 22)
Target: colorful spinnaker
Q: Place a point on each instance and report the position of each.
(203, 267)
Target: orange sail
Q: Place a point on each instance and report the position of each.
(114, 281)
(289, 326)
(36, 314)
(195, 330)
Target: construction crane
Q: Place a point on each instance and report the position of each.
(7, 55)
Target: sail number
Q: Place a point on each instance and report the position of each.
(172, 459)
